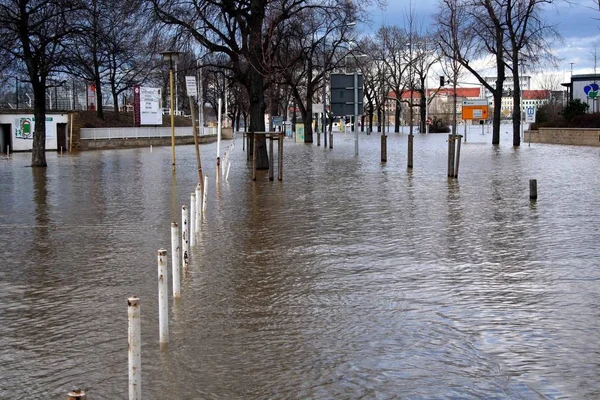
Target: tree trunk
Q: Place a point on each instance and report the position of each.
(397, 117)
(422, 112)
(516, 102)
(307, 117)
(99, 109)
(38, 153)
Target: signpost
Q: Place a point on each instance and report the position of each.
(474, 109)
(347, 98)
(530, 115)
(192, 90)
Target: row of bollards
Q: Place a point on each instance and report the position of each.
(181, 242)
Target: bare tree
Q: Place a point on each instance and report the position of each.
(528, 42)
(36, 33)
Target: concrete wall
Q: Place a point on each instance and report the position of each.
(572, 136)
(100, 144)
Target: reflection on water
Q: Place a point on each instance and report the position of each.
(349, 279)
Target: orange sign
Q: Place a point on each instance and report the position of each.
(475, 109)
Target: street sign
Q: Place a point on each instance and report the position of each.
(474, 109)
(342, 94)
(530, 114)
(190, 85)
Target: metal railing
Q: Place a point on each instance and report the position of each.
(145, 132)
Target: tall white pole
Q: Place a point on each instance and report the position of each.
(198, 216)
(134, 338)
(219, 135)
(201, 102)
(163, 300)
(192, 220)
(355, 113)
(426, 108)
(175, 259)
(185, 236)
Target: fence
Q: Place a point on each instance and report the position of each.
(145, 132)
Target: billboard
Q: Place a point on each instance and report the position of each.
(150, 113)
(342, 94)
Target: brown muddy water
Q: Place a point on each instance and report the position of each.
(349, 279)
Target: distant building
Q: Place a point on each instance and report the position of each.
(585, 88)
(529, 98)
(508, 85)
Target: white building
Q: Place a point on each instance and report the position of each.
(17, 130)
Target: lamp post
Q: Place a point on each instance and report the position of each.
(171, 57)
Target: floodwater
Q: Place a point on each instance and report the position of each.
(349, 279)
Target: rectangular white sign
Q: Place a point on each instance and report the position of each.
(190, 86)
(317, 108)
(530, 114)
(150, 113)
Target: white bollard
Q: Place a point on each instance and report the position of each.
(163, 300)
(198, 208)
(135, 348)
(175, 259)
(192, 220)
(185, 234)
(227, 174)
(205, 193)
(150, 148)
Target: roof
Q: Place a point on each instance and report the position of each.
(460, 92)
(535, 94)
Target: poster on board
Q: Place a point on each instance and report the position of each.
(150, 113)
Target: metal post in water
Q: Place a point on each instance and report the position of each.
(185, 234)
(205, 194)
(383, 147)
(450, 158)
(77, 394)
(331, 140)
(280, 156)
(175, 259)
(458, 142)
(198, 216)
(192, 219)
(271, 161)
(533, 189)
(135, 348)
(254, 160)
(163, 300)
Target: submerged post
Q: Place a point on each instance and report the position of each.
(163, 301)
(331, 140)
(271, 161)
(280, 156)
(175, 257)
(192, 219)
(533, 189)
(134, 338)
(254, 159)
(383, 147)
(185, 234)
(205, 193)
(77, 394)
(458, 144)
(198, 216)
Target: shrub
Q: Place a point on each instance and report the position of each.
(573, 109)
(438, 125)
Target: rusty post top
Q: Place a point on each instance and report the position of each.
(162, 252)
(77, 394)
(133, 301)
(174, 225)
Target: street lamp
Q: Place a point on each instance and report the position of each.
(171, 57)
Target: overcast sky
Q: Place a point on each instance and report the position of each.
(578, 23)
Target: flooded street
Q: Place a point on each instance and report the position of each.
(348, 279)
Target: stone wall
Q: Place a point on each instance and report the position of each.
(572, 136)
